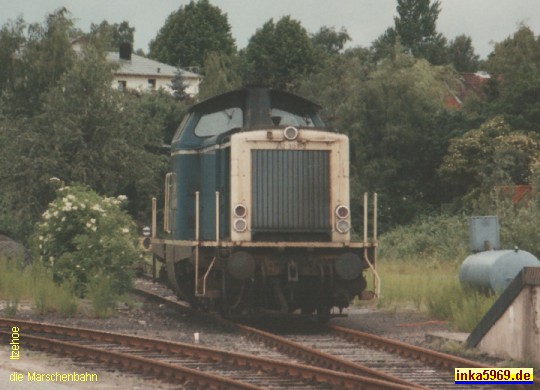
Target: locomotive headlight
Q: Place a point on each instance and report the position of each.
(240, 211)
(343, 226)
(240, 225)
(342, 211)
(290, 133)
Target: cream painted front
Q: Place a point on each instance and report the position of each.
(243, 143)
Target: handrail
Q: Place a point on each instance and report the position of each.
(205, 277)
(197, 243)
(202, 287)
(217, 216)
(372, 266)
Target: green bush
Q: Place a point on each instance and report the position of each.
(519, 224)
(81, 235)
(430, 237)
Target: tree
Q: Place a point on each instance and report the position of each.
(113, 34)
(489, 156)
(461, 54)
(329, 40)
(401, 142)
(415, 27)
(190, 33)
(394, 116)
(37, 60)
(417, 22)
(279, 54)
(384, 45)
(85, 133)
(12, 40)
(221, 74)
(515, 66)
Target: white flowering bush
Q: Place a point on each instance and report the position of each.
(87, 239)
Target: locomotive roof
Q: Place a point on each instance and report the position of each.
(246, 92)
(243, 110)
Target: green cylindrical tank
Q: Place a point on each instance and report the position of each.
(494, 270)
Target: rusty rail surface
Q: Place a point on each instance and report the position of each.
(332, 362)
(306, 354)
(430, 356)
(140, 365)
(173, 372)
(319, 358)
(434, 358)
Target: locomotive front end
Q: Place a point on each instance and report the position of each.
(291, 220)
(294, 189)
(258, 209)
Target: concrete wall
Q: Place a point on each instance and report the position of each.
(516, 334)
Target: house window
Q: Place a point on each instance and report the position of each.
(121, 85)
(151, 83)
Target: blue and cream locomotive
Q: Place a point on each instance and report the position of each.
(257, 215)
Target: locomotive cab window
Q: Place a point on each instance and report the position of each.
(285, 118)
(219, 122)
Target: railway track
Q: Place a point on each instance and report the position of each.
(317, 358)
(199, 367)
(359, 353)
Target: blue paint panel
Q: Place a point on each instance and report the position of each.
(187, 168)
(207, 173)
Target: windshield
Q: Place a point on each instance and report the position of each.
(219, 122)
(285, 118)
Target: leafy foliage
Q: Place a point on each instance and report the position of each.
(329, 40)
(83, 237)
(489, 156)
(441, 238)
(190, 33)
(461, 54)
(515, 64)
(85, 132)
(399, 141)
(417, 21)
(279, 54)
(114, 34)
(30, 72)
(221, 74)
(415, 29)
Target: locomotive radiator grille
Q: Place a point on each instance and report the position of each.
(290, 191)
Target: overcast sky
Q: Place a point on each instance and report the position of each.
(485, 21)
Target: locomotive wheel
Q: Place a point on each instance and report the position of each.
(325, 291)
(323, 313)
(233, 293)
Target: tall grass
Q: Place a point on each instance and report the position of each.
(434, 290)
(419, 266)
(33, 284)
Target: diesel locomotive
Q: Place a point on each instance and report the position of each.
(257, 216)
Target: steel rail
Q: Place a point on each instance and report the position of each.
(320, 358)
(435, 358)
(292, 370)
(329, 361)
(307, 354)
(165, 371)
